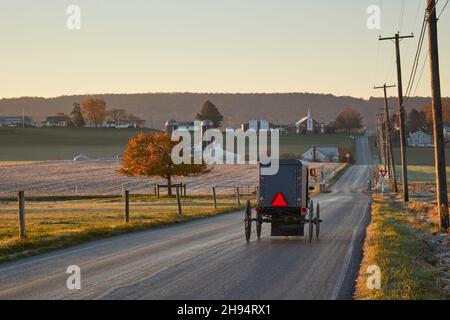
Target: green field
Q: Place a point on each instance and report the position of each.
(421, 173)
(36, 144)
(419, 156)
(296, 145)
(420, 163)
(18, 144)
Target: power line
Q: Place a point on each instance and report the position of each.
(421, 72)
(434, 7)
(416, 59)
(445, 6)
(419, 4)
(402, 15)
(419, 51)
(408, 46)
(377, 62)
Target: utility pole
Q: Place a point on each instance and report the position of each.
(385, 151)
(383, 137)
(401, 112)
(390, 151)
(382, 148)
(380, 139)
(439, 149)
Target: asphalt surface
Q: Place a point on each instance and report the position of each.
(210, 259)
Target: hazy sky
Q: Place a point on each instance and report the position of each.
(208, 46)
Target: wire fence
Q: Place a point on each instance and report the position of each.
(88, 189)
(28, 215)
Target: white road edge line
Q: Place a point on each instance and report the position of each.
(348, 256)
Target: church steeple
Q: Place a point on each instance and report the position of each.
(309, 113)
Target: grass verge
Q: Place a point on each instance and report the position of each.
(396, 246)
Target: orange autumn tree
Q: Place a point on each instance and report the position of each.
(349, 119)
(94, 111)
(149, 155)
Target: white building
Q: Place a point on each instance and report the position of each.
(57, 121)
(323, 154)
(307, 125)
(420, 139)
(256, 125)
(124, 124)
(188, 126)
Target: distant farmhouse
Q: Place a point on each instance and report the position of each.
(187, 126)
(256, 125)
(308, 125)
(56, 121)
(420, 139)
(125, 124)
(172, 125)
(322, 154)
(16, 121)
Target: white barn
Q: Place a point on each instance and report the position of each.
(420, 139)
(323, 154)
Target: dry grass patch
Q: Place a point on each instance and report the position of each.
(425, 215)
(393, 244)
(17, 163)
(56, 224)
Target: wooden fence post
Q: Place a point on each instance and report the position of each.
(157, 190)
(238, 197)
(179, 201)
(127, 206)
(184, 187)
(22, 226)
(214, 197)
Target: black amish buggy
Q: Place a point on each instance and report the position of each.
(283, 200)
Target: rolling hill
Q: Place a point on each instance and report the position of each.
(157, 108)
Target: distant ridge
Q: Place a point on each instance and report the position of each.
(157, 108)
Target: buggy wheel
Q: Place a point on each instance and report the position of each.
(317, 221)
(248, 221)
(259, 222)
(311, 220)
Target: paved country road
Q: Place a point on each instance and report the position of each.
(209, 258)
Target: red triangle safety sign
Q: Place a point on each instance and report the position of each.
(279, 201)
